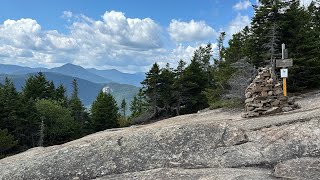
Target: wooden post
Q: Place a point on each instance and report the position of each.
(283, 50)
(285, 86)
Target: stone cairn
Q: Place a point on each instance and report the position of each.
(265, 97)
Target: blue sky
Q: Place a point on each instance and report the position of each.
(128, 35)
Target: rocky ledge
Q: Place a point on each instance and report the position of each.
(209, 145)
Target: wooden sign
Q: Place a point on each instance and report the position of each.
(284, 62)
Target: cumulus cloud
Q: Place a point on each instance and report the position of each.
(190, 31)
(242, 5)
(237, 24)
(113, 41)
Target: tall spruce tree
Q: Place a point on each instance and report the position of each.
(123, 107)
(138, 105)
(38, 87)
(177, 86)
(104, 112)
(151, 87)
(76, 106)
(166, 79)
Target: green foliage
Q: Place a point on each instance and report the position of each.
(166, 89)
(138, 105)
(150, 87)
(59, 125)
(124, 122)
(104, 112)
(78, 110)
(6, 141)
(37, 87)
(123, 107)
(172, 92)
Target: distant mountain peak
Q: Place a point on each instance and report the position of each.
(70, 65)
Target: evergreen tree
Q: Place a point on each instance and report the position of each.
(6, 142)
(123, 107)
(178, 86)
(267, 15)
(60, 95)
(76, 106)
(221, 48)
(151, 87)
(9, 107)
(37, 87)
(138, 105)
(166, 79)
(194, 83)
(104, 112)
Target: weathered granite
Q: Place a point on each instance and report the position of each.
(212, 144)
(301, 168)
(191, 174)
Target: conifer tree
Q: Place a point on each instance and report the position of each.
(76, 106)
(37, 87)
(123, 107)
(6, 142)
(138, 105)
(104, 112)
(151, 87)
(166, 80)
(178, 90)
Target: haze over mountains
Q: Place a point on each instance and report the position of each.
(93, 75)
(90, 81)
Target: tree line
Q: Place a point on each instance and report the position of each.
(220, 80)
(42, 115)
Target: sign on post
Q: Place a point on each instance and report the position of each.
(284, 73)
(284, 62)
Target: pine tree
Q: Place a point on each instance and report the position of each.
(123, 107)
(221, 48)
(138, 105)
(267, 14)
(194, 83)
(178, 86)
(104, 112)
(6, 142)
(151, 87)
(9, 107)
(60, 95)
(166, 79)
(37, 87)
(76, 106)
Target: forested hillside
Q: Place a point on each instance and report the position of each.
(42, 114)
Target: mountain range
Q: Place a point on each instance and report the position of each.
(93, 75)
(90, 81)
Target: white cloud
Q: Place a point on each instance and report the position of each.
(305, 3)
(67, 14)
(117, 30)
(242, 5)
(114, 41)
(190, 31)
(237, 24)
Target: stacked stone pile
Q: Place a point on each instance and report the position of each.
(264, 96)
